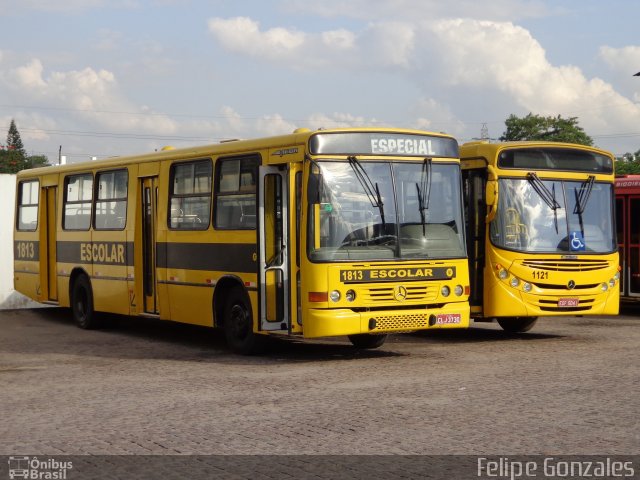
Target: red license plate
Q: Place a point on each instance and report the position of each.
(448, 318)
(568, 302)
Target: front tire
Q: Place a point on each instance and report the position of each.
(366, 341)
(82, 303)
(238, 325)
(517, 324)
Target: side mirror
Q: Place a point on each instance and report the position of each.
(491, 199)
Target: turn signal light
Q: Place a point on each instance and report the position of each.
(318, 296)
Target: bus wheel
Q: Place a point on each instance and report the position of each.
(82, 303)
(238, 325)
(517, 324)
(367, 341)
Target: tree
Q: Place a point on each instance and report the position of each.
(14, 142)
(13, 157)
(629, 163)
(554, 129)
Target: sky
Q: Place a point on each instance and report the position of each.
(102, 78)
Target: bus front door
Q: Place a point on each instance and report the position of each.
(273, 249)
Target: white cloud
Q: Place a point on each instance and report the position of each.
(385, 44)
(339, 120)
(30, 75)
(499, 59)
(241, 34)
(624, 60)
(82, 99)
(431, 114)
(275, 124)
(500, 56)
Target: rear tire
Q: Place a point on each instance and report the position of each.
(82, 303)
(366, 341)
(238, 325)
(517, 324)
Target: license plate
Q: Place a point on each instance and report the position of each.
(448, 318)
(568, 302)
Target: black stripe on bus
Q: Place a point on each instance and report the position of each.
(222, 257)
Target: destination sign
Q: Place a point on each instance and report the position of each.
(378, 143)
(554, 158)
(395, 274)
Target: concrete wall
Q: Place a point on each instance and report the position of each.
(9, 298)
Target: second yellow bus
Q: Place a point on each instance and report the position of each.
(541, 235)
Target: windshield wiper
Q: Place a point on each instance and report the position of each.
(582, 197)
(372, 191)
(424, 193)
(548, 197)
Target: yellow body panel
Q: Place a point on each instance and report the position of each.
(337, 321)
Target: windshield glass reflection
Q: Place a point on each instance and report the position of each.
(384, 210)
(554, 216)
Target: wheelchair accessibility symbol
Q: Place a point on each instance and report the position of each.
(576, 242)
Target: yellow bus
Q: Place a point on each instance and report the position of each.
(345, 232)
(540, 231)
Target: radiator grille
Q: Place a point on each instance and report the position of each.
(421, 293)
(401, 322)
(567, 265)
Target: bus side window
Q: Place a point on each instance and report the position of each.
(77, 202)
(190, 195)
(28, 205)
(111, 200)
(235, 207)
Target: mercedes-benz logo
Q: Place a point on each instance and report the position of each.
(400, 293)
(571, 285)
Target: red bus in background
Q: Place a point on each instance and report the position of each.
(627, 190)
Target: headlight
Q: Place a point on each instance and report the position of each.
(350, 295)
(503, 274)
(526, 286)
(334, 296)
(514, 282)
(604, 287)
(458, 290)
(616, 277)
(445, 291)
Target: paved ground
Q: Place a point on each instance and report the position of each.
(571, 386)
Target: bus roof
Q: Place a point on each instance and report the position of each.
(487, 149)
(230, 147)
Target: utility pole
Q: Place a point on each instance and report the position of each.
(484, 132)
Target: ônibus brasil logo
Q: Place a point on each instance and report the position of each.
(33, 468)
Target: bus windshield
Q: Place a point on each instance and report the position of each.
(554, 216)
(366, 210)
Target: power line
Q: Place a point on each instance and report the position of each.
(124, 136)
